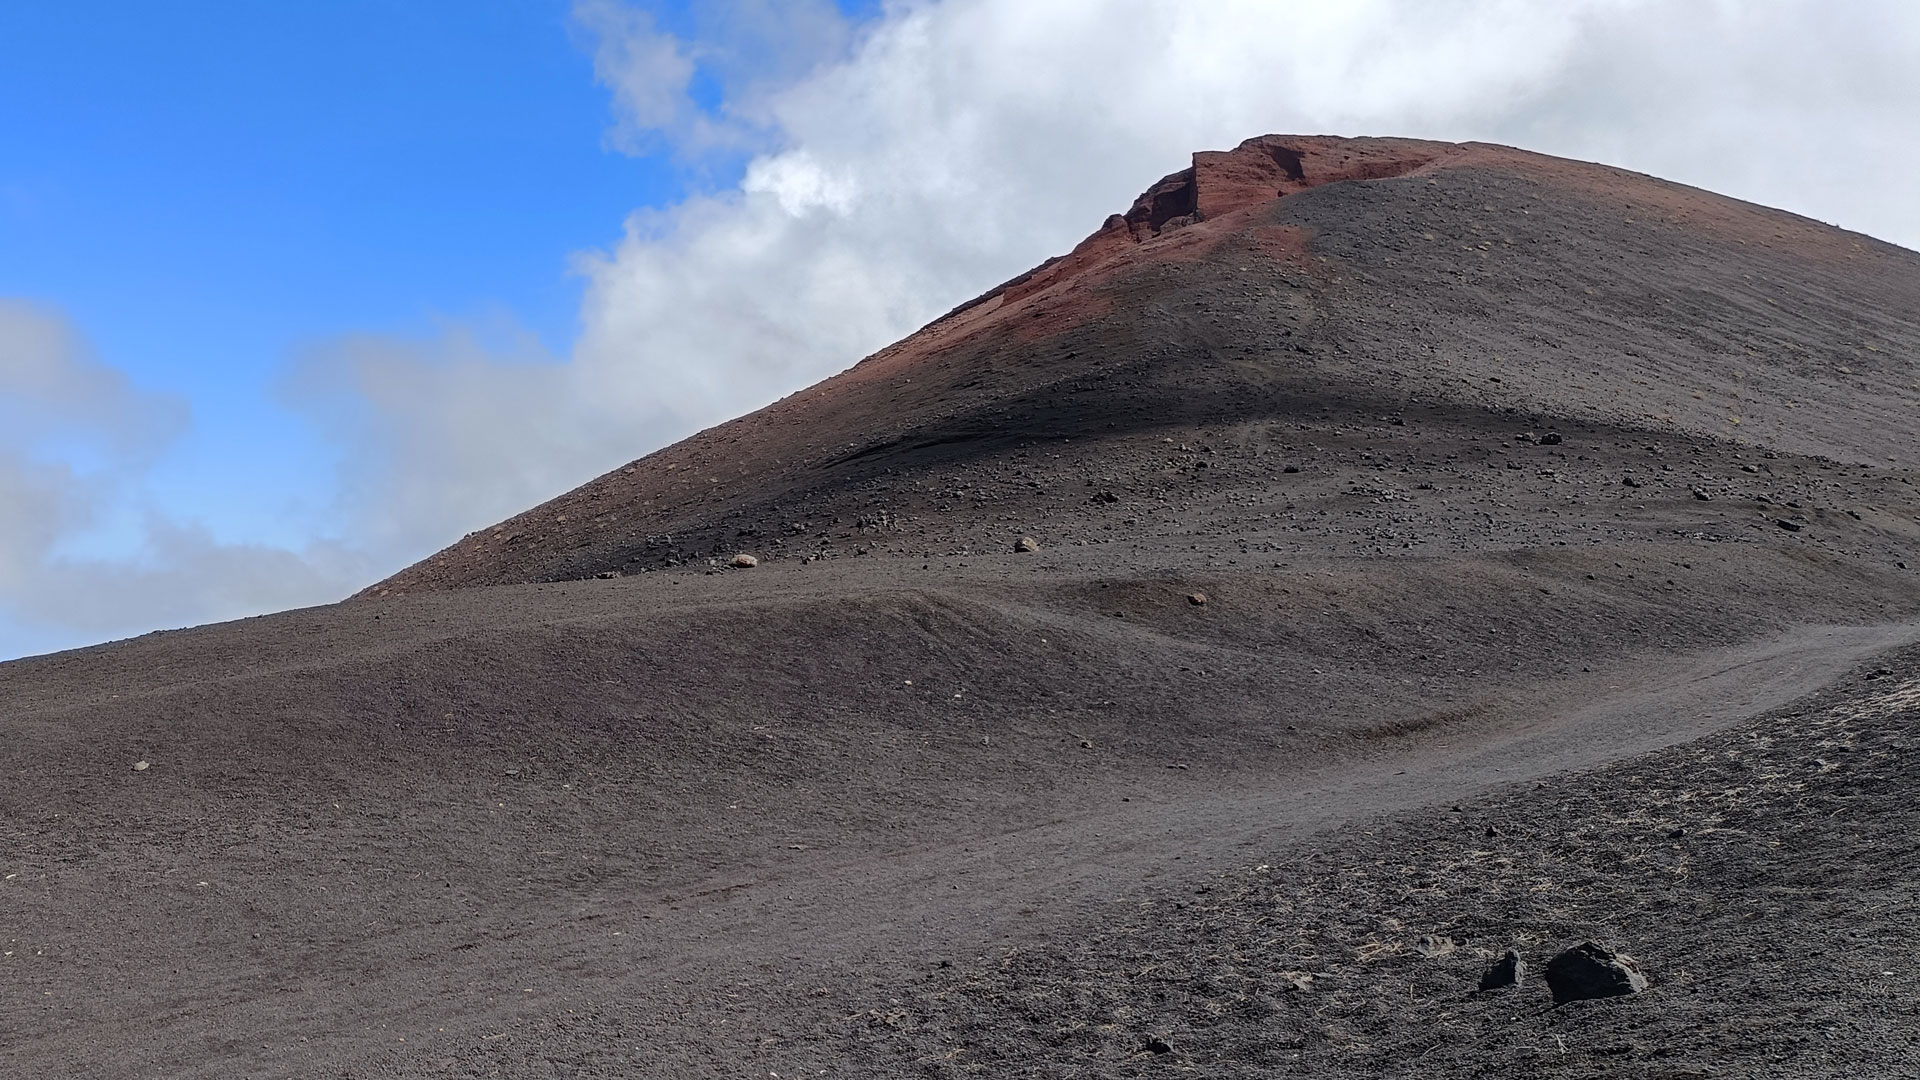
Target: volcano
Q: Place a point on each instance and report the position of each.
(1209, 651)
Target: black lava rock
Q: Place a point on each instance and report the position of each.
(1591, 970)
(1509, 970)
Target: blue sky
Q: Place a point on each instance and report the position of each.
(205, 188)
(292, 294)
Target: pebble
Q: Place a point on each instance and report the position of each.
(1509, 970)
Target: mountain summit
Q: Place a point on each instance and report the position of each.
(1291, 280)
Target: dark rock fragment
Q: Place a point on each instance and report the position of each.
(1157, 1045)
(1788, 524)
(1591, 970)
(1026, 544)
(1509, 970)
(1551, 438)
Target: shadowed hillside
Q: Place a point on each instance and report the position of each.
(1260, 305)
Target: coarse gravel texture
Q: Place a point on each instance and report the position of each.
(1560, 554)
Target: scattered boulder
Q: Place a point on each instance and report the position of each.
(1702, 494)
(1591, 970)
(1551, 438)
(1157, 1044)
(1630, 481)
(1434, 946)
(1788, 524)
(607, 575)
(1197, 599)
(1026, 544)
(744, 561)
(1509, 970)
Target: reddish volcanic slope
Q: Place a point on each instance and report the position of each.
(1440, 550)
(1272, 283)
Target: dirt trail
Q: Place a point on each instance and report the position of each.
(1129, 838)
(899, 913)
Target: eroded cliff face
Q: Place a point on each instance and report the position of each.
(1266, 168)
(1219, 185)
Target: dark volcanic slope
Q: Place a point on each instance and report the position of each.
(1403, 573)
(1474, 292)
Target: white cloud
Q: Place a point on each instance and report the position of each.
(448, 433)
(50, 383)
(646, 70)
(76, 441)
(746, 50)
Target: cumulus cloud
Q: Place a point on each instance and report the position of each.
(76, 440)
(646, 70)
(450, 432)
(741, 50)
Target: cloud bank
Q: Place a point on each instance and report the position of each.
(82, 557)
(881, 173)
